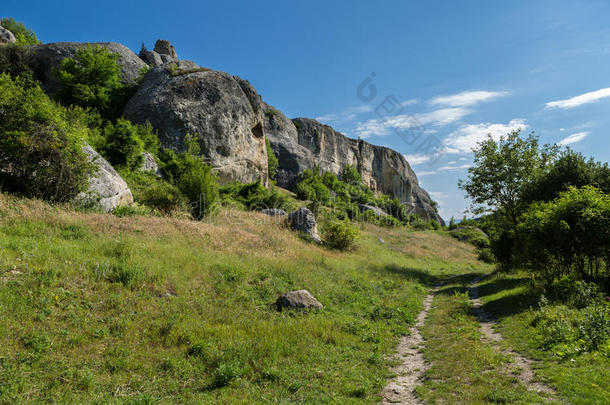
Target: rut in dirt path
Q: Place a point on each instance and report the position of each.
(401, 389)
(489, 335)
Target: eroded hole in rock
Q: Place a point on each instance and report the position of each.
(257, 130)
(223, 151)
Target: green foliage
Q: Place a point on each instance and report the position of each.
(23, 35)
(17, 60)
(570, 235)
(340, 235)
(40, 144)
(253, 196)
(272, 162)
(199, 185)
(350, 175)
(163, 197)
(471, 235)
(92, 79)
(123, 146)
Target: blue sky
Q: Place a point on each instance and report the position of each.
(448, 71)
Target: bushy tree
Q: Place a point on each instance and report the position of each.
(23, 35)
(350, 175)
(571, 234)
(340, 235)
(91, 78)
(499, 178)
(40, 144)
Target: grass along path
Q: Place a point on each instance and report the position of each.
(464, 368)
(522, 366)
(401, 388)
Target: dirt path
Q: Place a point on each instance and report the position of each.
(401, 389)
(522, 366)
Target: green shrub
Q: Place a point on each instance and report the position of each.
(471, 235)
(40, 144)
(272, 162)
(570, 235)
(200, 187)
(350, 175)
(340, 235)
(163, 197)
(486, 255)
(123, 147)
(91, 79)
(17, 60)
(23, 35)
(253, 196)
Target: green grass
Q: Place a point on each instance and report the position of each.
(580, 379)
(464, 370)
(103, 309)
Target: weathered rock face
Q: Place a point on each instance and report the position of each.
(224, 111)
(149, 164)
(6, 37)
(298, 299)
(48, 58)
(106, 187)
(303, 220)
(164, 53)
(302, 143)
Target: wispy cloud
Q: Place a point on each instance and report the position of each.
(443, 169)
(577, 137)
(436, 118)
(347, 115)
(577, 101)
(417, 159)
(467, 137)
(467, 98)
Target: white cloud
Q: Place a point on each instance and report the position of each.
(425, 173)
(468, 98)
(418, 159)
(382, 127)
(451, 168)
(577, 137)
(586, 98)
(409, 102)
(347, 115)
(468, 136)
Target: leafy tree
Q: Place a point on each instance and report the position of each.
(91, 78)
(23, 35)
(500, 176)
(272, 162)
(569, 169)
(570, 235)
(40, 144)
(350, 175)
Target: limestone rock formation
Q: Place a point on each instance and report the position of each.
(302, 143)
(378, 211)
(48, 58)
(106, 187)
(149, 164)
(164, 52)
(224, 111)
(6, 37)
(298, 299)
(274, 212)
(303, 220)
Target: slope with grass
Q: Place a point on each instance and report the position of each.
(142, 309)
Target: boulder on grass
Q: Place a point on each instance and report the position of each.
(303, 220)
(298, 299)
(274, 212)
(106, 188)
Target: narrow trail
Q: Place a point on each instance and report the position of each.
(401, 389)
(522, 365)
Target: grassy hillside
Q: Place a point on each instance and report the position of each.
(97, 308)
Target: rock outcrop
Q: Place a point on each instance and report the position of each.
(164, 52)
(303, 220)
(298, 299)
(224, 111)
(48, 58)
(376, 210)
(6, 37)
(302, 143)
(106, 188)
(149, 164)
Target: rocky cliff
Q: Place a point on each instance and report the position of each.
(224, 111)
(302, 143)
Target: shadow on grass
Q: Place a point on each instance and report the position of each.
(509, 302)
(431, 280)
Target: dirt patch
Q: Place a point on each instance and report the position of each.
(401, 389)
(522, 366)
